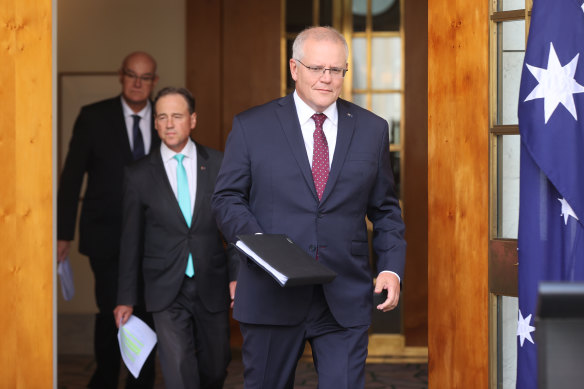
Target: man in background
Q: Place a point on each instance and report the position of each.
(170, 238)
(107, 136)
(312, 166)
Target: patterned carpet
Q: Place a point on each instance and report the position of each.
(74, 371)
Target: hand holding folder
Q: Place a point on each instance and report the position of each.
(282, 259)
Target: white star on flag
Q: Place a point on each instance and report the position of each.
(567, 211)
(556, 84)
(524, 329)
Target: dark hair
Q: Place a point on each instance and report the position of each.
(170, 90)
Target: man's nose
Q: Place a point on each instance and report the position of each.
(326, 75)
(137, 82)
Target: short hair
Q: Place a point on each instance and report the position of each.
(171, 90)
(320, 34)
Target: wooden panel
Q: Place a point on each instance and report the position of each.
(204, 61)
(503, 267)
(415, 303)
(26, 274)
(233, 61)
(458, 193)
(251, 56)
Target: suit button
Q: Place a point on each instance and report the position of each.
(320, 215)
(311, 247)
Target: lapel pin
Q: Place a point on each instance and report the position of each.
(203, 167)
(349, 114)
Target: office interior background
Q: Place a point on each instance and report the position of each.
(445, 74)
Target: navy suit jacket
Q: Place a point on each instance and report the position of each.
(265, 185)
(156, 237)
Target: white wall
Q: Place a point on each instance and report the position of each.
(94, 36)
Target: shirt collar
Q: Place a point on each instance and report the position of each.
(144, 113)
(189, 151)
(305, 112)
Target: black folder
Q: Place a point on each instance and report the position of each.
(285, 261)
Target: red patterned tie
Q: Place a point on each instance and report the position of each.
(320, 156)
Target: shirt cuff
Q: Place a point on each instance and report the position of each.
(392, 272)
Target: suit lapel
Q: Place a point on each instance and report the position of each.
(203, 181)
(291, 127)
(345, 130)
(119, 126)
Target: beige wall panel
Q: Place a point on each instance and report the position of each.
(95, 35)
(26, 274)
(458, 193)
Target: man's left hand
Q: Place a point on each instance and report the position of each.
(389, 282)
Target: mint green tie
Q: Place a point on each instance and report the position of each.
(184, 202)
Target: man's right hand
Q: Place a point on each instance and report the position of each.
(122, 313)
(63, 247)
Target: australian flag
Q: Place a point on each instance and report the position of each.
(551, 123)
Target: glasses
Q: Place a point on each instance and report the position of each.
(143, 78)
(321, 70)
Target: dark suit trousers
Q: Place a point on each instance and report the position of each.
(271, 353)
(193, 344)
(105, 342)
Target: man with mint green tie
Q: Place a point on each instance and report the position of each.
(168, 231)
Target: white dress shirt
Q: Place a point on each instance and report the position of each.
(189, 162)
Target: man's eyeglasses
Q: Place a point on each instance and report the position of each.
(320, 70)
(133, 76)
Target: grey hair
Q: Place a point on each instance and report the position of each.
(325, 33)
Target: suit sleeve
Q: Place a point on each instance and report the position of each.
(132, 242)
(233, 261)
(74, 169)
(385, 214)
(230, 202)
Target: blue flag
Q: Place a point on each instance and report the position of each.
(551, 123)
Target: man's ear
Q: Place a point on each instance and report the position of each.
(193, 120)
(293, 69)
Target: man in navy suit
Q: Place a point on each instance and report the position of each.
(107, 136)
(170, 238)
(289, 169)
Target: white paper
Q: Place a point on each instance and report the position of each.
(136, 341)
(281, 277)
(66, 277)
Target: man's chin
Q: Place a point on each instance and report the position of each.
(135, 100)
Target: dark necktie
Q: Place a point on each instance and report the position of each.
(138, 150)
(320, 156)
